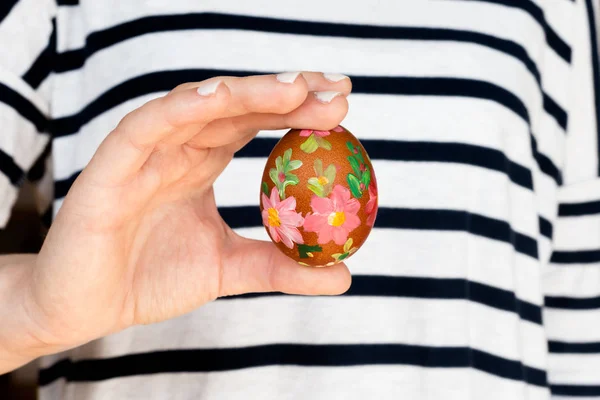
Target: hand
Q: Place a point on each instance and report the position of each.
(139, 238)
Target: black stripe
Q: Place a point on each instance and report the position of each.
(572, 303)
(432, 288)
(575, 257)
(99, 40)
(24, 107)
(62, 186)
(573, 348)
(67, 2)
(421, 219)
(5, 7)
(575, 390)
(8, 167)
(556, 111)
(448, 220)
(545, 227)
(595, 68)
(166, 80)
(38, 169)
(43, 65)
(102, 39)
(579, 209)
(398, 150)
(555, 42)
(305, 355)
(545, 163)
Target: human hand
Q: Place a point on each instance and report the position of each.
(139, 239)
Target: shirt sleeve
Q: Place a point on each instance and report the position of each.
(27, 47)
(571, 282)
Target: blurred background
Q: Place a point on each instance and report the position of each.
(23, 234)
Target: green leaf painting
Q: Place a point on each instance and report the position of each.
(322, 183)
(305, 251)
(281, 175)
(354, 185)
(359, 180)
(314, 142)
(355, 166)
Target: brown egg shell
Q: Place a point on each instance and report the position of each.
(338, 155)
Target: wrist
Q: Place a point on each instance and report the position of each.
(23, 337)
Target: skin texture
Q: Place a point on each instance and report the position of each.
(139, 239)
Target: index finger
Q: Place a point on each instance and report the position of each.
(127, 148)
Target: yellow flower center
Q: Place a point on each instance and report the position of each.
(336, 218)
(274, 217)
(323, 180)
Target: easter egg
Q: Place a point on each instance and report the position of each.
(318, 195)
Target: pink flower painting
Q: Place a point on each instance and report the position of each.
(281, 219)
(333, 217)
(308, 132)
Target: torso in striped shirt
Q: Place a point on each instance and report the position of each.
(480, 119)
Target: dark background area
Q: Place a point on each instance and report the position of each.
(22, 235)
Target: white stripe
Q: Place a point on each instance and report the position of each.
(24, 34)
(457, 120)
(509, 23)
(347, 320)
(77, 150)
(559, 15)
(396, 252)
(270, 52)
(8, 196)
(574, 369)
(74, 19)
(570, 281)
(568, 233)
(572, 325)
(582, 141)
(19, 138)
(422, 185)
(580, 192)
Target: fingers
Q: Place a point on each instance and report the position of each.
(323, 82)
(316, 81)
(257, 266)
(127, 148)
(180, 115)
(313, 114)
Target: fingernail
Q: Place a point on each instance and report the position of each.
(334, 77)
(287, 77)
(209, 88)
(326, 97)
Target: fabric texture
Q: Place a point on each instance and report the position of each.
(481, 277)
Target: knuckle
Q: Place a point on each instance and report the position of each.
(182, 86)
(169, 112)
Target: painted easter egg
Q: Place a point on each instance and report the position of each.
(318, 195)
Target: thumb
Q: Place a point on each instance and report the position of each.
(258, 266)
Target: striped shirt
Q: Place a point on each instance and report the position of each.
(481, 278)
